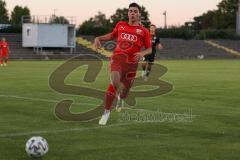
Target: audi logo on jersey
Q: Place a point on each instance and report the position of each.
(129, 37)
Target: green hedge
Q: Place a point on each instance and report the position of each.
(181, 32)
(96, 31)
(12, 29)
(187, 33)
(217, 34)
(174, 32)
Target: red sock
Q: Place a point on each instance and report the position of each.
(109, 97)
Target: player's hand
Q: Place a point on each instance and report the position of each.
(159, 47)
(97, 43)
(138, 56)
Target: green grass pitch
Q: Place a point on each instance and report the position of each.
(209, 88)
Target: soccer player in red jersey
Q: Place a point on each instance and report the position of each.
(131, 38)
(4, 50)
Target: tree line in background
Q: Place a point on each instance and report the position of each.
(15, 19)
(224, 17)
(100, 24)
(16, 14)
(219, 23)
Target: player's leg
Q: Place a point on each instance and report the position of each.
(1, 60)
(110, 95)
(127, 82)
(113, 89)
(144, 66)
(120, 99)
(149, 66)
(5, 60)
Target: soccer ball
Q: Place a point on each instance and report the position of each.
(36, 147)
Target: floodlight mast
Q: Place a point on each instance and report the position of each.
(165, 19)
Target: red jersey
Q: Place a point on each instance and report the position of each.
(4, 47)
(130, 39)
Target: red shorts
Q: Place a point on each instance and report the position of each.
(4, 55)
(127, 70)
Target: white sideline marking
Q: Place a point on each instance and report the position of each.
(60, 131)
(40, 99)
(56, 101)
(28, 98)
(72, 129)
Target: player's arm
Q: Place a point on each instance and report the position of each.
(159, 45)
(140, 55)
(106, 37)
(97, 41)
(146, 52)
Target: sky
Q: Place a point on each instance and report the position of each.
(178, 11)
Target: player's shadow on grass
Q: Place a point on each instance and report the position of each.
(95, 64)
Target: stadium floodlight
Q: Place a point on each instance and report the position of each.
(165, 19)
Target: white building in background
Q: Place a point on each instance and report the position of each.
(43, 32)
(238, 19)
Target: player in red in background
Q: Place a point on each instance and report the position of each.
(4, 50)
(131, 38)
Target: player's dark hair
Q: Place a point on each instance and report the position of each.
(135, 5)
